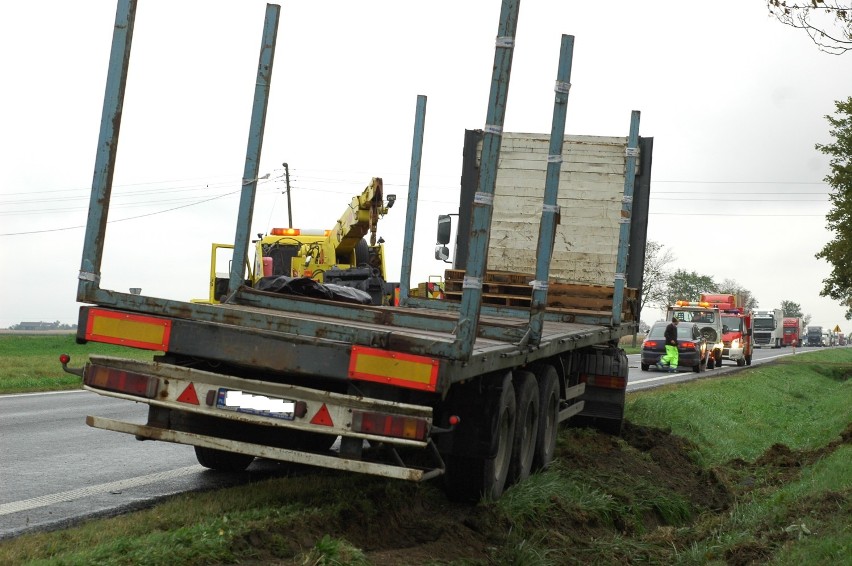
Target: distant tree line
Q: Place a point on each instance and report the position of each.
(40, 325)
(662, 286)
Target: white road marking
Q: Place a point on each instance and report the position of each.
(116, 486)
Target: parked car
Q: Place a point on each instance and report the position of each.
(692, 348)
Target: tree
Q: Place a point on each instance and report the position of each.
(838, 252)
(730, 286)
(791, 309)
(655, 277)
(687, 286)
(806, 320)
(827, 22)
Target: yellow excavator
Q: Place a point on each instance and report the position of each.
(339, 256)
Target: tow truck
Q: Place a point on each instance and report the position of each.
(340, 256)
(737, 344)
(709, 320)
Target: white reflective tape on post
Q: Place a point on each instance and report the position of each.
(631, 152)
(551, 208)
(486, 199)
(87, 276)
(554, 158)
(619, 276)
(624, 221)
(493, 129)
(562, 87)
(472, 283)
(505, 41)
(538, 285)
(627, 199)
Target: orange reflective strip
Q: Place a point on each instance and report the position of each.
(125, 329)
(395, 368)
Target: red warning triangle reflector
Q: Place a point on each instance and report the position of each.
(322, 417)
(189, 395)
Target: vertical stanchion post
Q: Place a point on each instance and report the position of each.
(119, 61)
(550, 208)
(242, 238)
(483, 202)
(411, 209)
(631, 154)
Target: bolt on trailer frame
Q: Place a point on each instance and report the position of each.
(437, 342)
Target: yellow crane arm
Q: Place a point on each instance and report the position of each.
(361, 216)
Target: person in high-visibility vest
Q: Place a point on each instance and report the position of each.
(671, 357)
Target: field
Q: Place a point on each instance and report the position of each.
(30, 362)
(753, 468)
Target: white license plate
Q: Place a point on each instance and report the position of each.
(241, 402)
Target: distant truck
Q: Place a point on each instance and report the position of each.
(768, 328)
(841, 339)
(464, 390)
(815, 336)
(793, 335)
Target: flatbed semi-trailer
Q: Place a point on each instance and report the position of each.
(470, 391)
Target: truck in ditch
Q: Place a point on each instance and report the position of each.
(468, 390)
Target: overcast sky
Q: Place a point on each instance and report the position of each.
(734, 100)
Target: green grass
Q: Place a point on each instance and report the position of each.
(31, 362)
(774, 438)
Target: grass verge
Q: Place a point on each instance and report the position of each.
(31, 363)
(747, 468)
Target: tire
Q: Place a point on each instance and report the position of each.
(548, 422)
(697, 368)
(221, 460)
(718, 358)
(711, 362)
(643, 366)
(469, 478)
(526, 426)
(741, 362)
(748, 360)
(362, 252)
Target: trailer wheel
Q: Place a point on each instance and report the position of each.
(548, 422)
(526, 426)
(470, 477)
(221, 460)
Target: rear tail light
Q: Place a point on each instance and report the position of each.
(389, 425)
(605, 381)
(649, 344)
(121, 381)
(688, 345)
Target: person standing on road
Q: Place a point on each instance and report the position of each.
(671, 357)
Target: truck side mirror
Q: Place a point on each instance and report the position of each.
(442, 253)
(444, 229)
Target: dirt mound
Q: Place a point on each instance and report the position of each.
(397, 523)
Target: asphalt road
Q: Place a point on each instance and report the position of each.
(56, 471)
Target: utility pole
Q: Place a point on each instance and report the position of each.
(287, 181)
